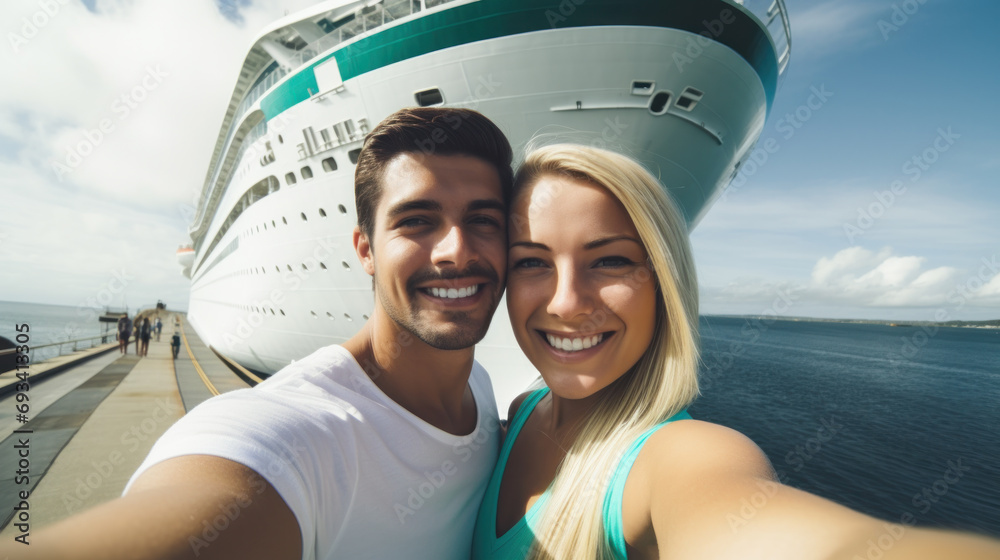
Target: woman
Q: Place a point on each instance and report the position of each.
(605, 462)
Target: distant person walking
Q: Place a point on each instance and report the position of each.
(159, 327)
(145, 332)
(124, 330)
(175, 343)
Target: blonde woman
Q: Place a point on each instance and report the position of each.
(604, 462)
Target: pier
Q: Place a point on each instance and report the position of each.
(93, 417)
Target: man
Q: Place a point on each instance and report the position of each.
(159, 327)
(124, 331)
(380, 448)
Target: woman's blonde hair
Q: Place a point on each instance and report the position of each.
(665, 379)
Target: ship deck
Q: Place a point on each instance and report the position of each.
(94, 417)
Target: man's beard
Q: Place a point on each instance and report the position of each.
(460, 329)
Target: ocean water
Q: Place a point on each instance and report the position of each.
(890, 421)
(51, 323)
(897, 422)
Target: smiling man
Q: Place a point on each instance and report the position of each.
(379, 448)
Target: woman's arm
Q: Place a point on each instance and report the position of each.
(193, 506)
(712, 494)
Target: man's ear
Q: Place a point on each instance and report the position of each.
(363, 248)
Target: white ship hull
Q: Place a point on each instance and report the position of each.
(275, 275)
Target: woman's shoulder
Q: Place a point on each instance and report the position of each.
(694, 446)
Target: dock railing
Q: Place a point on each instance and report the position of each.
(75, 342)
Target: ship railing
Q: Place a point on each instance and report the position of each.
(774, 16)
(366, 19)
(104, 338)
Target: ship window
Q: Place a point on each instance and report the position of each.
(329, 315)
(642, 88)
(304, 267)
(265, 226)
(315, 316)
(353, 155)
(273, 224)
(303, 214)
(365, 317)
(289, 178)
(329, 164)
(347, 266)
(689, 98)
(341, 208)
(348, 317)
(289, 267)
(429, 97)
(659, 102)
(282, 311)
(322, 212)
(272, 311)
(307, 172)
(284, 220)
(280, 139)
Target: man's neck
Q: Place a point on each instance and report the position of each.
(432, 384)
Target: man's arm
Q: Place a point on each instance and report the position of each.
(194, 506)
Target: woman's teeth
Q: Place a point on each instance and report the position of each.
(453, 293)
(574, 344)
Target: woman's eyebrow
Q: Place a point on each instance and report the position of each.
(607, 240)
(530, 245)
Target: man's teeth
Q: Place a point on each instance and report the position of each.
(453, 293)
(574, 344)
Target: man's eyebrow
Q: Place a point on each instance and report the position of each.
(410, 205)
(607, 240)
(487, 204)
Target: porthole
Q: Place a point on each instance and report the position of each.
(322, 212)
(353, 155)
(282, 312)
(365, 317)
(273, 224)
(689, 98)
(280, 139)
(284, 220)
(342, 209)
(276, 269)
(304, 266)
(307, 172)
(329, 164)
(345, 265)
(323, 266)
(314, 315)
(329, 315)
(289, 178)
(289, 267)
(303, 214)
(659, 103)
(348, 317)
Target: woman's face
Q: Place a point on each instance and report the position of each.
(580, 293)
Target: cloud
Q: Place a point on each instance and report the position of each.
(830, 26)
(860, 278)
(106, 132)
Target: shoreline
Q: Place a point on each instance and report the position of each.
(989, 324)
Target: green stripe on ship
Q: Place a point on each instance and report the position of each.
(489, 19)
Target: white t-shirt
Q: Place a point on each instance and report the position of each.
(364, 477)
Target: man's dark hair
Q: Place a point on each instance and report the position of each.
(431, 131)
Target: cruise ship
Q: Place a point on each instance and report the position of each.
(684, 86)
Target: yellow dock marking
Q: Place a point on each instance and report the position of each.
(197, 367)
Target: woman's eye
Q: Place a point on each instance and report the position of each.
(614, 262)
(529, 263)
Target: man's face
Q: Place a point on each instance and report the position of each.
(438, 250)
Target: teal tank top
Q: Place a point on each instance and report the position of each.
(517, 541)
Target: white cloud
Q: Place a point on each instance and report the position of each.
(121, 207)
(831, 26)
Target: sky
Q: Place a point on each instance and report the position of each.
(876, 196)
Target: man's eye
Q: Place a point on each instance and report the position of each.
(412, 222)
(485, 220)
